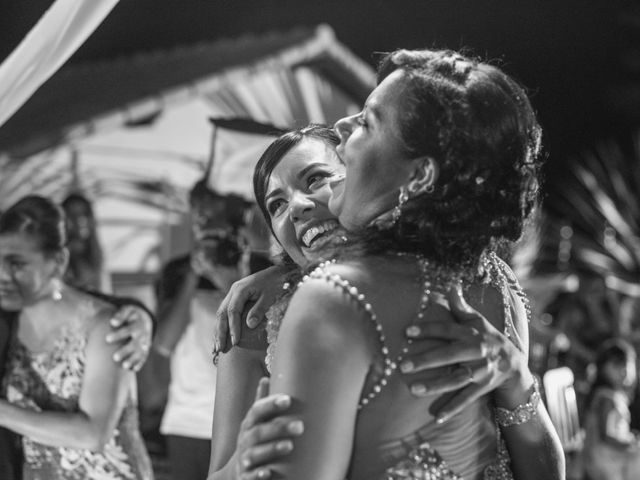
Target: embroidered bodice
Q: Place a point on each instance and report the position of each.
(52, 381)
(469, 445)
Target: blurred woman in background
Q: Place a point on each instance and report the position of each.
(612, 449)
(74, 407)
(86, 261)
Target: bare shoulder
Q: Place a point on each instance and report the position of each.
(94, 312)
(327, 306)
(498, 304)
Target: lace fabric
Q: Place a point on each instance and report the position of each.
(274, 315)
(52, 381)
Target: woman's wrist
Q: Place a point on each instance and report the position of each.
(515, 391)
(523, 412)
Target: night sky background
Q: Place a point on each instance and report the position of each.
(580, 59)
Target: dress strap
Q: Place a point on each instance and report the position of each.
(389, 365)
(322, 272)
(504, 280)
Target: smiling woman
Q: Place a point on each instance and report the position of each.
(440, 175)
(292, 188)
(292, 184)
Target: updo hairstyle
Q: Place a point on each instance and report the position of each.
(39, 218)
(478, 125)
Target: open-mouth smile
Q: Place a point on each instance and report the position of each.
(316, 232)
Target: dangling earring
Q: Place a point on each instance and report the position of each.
(421, 182)
(402, 199)
(56, 294)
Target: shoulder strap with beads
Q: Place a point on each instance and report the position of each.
(322, 272)
(502, 277)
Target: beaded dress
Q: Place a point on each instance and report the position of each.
(52, 381)
(467, 446)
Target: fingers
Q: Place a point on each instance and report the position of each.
(264, 454)
(133, 329)
(265, 434)
(257, 313)
(131, 322)
(440, 330)
(124, 332)
(269, 434)
(259, 474)
(263, 388)
(462, 400)
(235, 323)
(221, 328)
(238, 303)
(461, 310)
(453, 380)
(448, 354)
(122, 316)
(128, 355)
(238, 299)
(265, 409)
(135, 361)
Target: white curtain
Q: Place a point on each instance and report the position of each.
(56, 36)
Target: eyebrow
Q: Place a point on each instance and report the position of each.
(275, 192)
(306, 169)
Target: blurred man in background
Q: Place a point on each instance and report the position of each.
(189, 291)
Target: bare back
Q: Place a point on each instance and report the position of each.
(367, 304)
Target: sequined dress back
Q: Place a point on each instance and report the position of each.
(52, 381)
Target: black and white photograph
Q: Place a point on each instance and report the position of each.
(319, 240)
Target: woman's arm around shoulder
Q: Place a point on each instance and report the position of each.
(324, 351)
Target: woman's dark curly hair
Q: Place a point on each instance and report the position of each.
(477, 123)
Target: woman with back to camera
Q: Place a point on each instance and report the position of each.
(73, 405)
(440, 173)
(293, 175)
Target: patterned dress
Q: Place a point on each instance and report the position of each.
(52, 381)
(469, 445)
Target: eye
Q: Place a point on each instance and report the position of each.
(317, 179)
(276, 206)
(360, 120)
(15, 265)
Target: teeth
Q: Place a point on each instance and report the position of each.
(313, 232)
